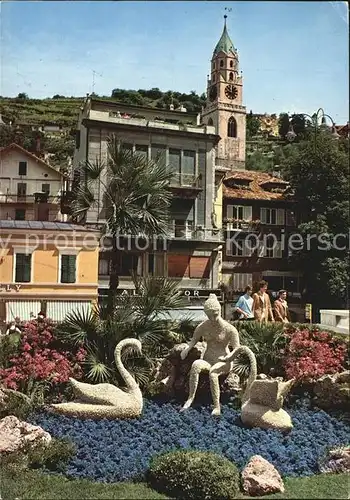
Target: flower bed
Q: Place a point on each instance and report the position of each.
(121, 450)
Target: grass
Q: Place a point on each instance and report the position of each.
(31, 485)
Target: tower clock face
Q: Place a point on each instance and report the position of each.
(213, 93)
(231, 92)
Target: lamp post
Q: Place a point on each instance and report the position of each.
(291, 135)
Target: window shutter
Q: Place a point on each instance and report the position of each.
(23, 268)
(278, 250)
(280, 217)
(178, 266)
(230, 211)
(247, 213)
(261, 249)
(68, 268)
(263, 215)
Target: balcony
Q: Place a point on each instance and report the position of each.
(66, 202)
(194, 233)
(242, 225)
(186, 185)
(39, 197)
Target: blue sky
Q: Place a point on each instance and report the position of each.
(294, 55)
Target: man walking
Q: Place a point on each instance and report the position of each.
(244, 305)
(262, 309)
(280, 307)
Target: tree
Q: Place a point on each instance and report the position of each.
(137, 316)
(283, 124)
(136, 194)
(252, 125)
(318, 174)
(22, 95)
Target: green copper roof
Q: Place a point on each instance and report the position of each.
(225, 43)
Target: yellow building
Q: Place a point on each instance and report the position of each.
(46, 266)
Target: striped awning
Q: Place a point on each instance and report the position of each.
(57, 310)
(23, 309)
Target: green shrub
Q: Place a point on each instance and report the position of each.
(194, 475)
(53, 456)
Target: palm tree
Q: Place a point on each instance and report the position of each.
(136, 197)
(135, 316)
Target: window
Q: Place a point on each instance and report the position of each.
(23, 267)
(158, 153)
(188, 167)
(127, 146)
(240, 248)
(221, 63)
(45, 188)
(178, 266)
(214, 65)
(210, 122)
(20, 214)
(230, 77)
(272, 216)
(232, 127)
(183, 228)
(174, 163)
(214, 78)
(270, 248)
(103, 266)
(240, 281)
(142, 151)
(231, 64)
(21, 189)
(129, 263)
(290, 218)
(239, 212)
(22, 168)
(68, 268)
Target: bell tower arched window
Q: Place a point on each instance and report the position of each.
(230, 77)
(231, 64)
(210, 122)
(232, 127)
(221, 63)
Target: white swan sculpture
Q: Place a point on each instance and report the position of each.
(106, 400)
(262, 400)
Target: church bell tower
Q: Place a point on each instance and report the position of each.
(224, 109)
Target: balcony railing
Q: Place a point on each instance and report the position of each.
(186, 181)
(242, 225)
(199, 233)
(31, 198)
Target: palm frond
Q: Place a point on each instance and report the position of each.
(78, 327)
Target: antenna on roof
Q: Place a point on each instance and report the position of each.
(93, 80)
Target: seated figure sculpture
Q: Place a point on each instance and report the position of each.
(218, 335)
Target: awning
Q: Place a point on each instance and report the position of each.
(57, 310)
(23, 309)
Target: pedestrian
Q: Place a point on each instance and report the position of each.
(280, 307)
(12, 328)
(244, 305)
(262, 309)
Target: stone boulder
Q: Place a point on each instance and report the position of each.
(333, 391)
(336, 461)
(170, 379)
(259, 477)
(16, 435)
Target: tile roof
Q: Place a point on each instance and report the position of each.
(257, 181)
(8, 148)
(40, 225)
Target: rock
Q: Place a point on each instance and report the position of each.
(259, 477)
(336, 461)
(333, 391)
(171, 377)
(16, 435)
